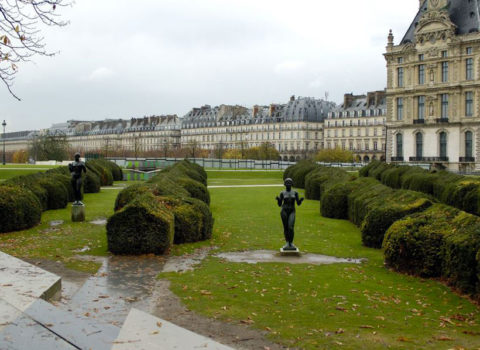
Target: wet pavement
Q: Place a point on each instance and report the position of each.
(265, 256)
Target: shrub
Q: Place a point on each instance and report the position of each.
(419, 181)
(56, 193)
(104, 174)
(386, 210)
(112, 167)
(30, 182)
(318, 180)
(91, 183)
(393, 177)
(144, 226)
(299, 171)
(440, 242)
(185, 168)
(207, 218)
(195, 189)
(66, 182)
(364, 172)
(415, 244)
(377, 171)
(334, 202)
(188, 224)
(167, 186)
(22, 206)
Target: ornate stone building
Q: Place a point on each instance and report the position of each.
(358, 125)
(433, 87)
(295, 129)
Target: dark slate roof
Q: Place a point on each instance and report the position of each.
(465, 14)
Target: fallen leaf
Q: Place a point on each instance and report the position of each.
(159, 324)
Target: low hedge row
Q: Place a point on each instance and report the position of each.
(458, 191)
(371, 206)
(179, 190)
(299, 171)
(322, 178)
(439, 242)
(46, 191)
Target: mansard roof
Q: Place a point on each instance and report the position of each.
(464, 14)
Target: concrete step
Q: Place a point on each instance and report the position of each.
(142, 331)
(22, 283)
(20, 332)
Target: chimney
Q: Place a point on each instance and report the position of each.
(347, 100)
(272, 109)
(292, 98)
(256, 109)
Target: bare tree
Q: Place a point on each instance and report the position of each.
(20, 34)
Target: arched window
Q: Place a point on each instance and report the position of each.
(443, 144)
(468, 144)
(399, 145)
(419, 144)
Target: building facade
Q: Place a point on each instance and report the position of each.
(358, 125)
(295, 129)
(433, 87)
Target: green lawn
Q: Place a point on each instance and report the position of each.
(222, 178)
(318, 307)
(62, 243)
(12, 170)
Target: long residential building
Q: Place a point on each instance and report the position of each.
(433, 87)
(358, 125)
(295, 128)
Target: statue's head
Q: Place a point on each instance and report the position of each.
(288, 182)
(77, 156)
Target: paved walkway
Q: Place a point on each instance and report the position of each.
(246, 186)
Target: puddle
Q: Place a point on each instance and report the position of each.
(264, 256)
(56, 223)
(186, 262)
(100, 222)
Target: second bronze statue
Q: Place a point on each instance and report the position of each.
(76, 168)
(287, 200)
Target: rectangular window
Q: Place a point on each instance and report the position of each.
(421, 74)
(400, 60)
(400, 77)
(421, 107)
(469, 69)
(469, 104)
(421, 57)
(375, 145)
(444, 54)
(444, 72)
(444, 106)
(399, 108)
(469, 50)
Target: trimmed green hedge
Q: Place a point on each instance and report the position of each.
(462, 192)
(20, 209)
(144, 226)
(114, 169)
(322, 178)
(102, 172)
(91, 183)
(56, 192)
(440, 242)
(173, 189)
(299, 171)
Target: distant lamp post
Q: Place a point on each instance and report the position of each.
(4, 124)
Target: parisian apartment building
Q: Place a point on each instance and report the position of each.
(358, 125)
(433, 87)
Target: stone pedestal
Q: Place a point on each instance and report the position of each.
(290, 252)
(78, 212)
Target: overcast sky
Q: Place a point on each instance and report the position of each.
(125, 58)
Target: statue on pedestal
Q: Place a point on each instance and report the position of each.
(287, 200)
(76, 168)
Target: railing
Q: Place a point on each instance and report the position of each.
(428, 159)
(442, 120)
(397, 159)
(419, 121)
(467, 160)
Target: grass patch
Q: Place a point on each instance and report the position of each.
(318, 307)
(233, 178)
(62, 243)
(8, 173)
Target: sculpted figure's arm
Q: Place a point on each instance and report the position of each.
(280, 199)
(299, 200)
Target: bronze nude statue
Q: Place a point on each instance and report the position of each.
(287, 200)
(76, 168)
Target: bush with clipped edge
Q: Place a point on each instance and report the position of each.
(23, 208)
(144, 226)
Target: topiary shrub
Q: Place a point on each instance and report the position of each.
(30, 182)
(386, 210)
(419, 181)
(56, 191)
(364, 172)
(301, 170)
(144, 226)
(207, 217)
(195, 189)
(334, 202)
(461, 247)
(112, 167)
(318, 180)
(104, 174)
(478, 272)
(377, 171)
(20, 207)
(188, 224)
(393, 177)
(91, 183)
(415, 244)
(182, 169)
(66, 182)
(168, 186)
